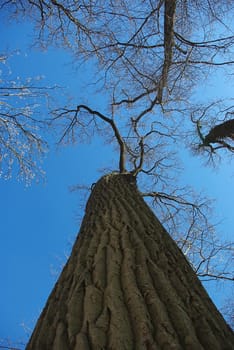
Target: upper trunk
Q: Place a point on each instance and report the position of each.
(127, 285)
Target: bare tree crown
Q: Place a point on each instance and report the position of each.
(149, 58)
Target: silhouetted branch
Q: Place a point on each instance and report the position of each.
(141, 49)
(9, 347)
(220, 132)
(75, 121)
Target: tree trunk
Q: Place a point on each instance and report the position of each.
(126, 285)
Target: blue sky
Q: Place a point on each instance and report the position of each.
(39, 222)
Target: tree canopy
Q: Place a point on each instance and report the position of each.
(149, 60)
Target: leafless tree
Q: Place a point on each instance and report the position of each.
(8, 344)
(149, 57)
(184, 213)
(21, 129)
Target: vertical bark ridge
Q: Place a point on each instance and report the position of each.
(126, 285)
(138, 312)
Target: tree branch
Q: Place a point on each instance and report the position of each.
(111, 122)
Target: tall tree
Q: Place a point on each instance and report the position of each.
(127, 285)
(149, 56)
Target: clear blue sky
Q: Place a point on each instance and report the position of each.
(38, 222)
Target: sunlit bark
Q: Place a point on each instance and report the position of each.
(127, 285)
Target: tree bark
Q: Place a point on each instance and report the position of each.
(126, 285)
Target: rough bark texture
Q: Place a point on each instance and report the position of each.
(127, 286)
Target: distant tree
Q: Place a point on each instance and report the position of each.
(126, 284)
(22, 141)
(8, 344)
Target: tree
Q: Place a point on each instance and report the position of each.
(22, 130)
(148, 57)
(127, 285)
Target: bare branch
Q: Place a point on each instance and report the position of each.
(149, 57)
(74, 121)
(169, 22)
